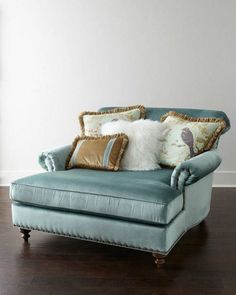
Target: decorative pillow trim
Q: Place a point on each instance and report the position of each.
(121, 152)
(191, 119)
(112, 111)
(215, 136)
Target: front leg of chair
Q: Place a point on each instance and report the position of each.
(25, 234)
(159, 259)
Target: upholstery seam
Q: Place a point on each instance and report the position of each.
(87, 239)
(84, 212)
(117, 244)
(71, 191)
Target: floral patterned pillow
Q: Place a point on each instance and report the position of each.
(188, 137)
(91, 122)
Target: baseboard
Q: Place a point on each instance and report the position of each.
(224, 179)
(221, 178)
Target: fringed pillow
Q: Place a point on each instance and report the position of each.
(188, 137)
(91, 122)
(104, 152)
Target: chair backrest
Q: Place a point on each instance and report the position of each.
(156, 113)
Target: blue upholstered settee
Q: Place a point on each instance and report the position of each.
(144, 210)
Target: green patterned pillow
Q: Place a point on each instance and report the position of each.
(91, 122)
(188, 137)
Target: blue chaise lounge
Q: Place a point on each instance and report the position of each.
(144, 210)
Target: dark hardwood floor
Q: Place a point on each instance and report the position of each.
(203, 262)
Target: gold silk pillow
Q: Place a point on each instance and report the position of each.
(188, 137)
(91, 122)
(103, 152)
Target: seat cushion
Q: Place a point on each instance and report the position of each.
(141, 196)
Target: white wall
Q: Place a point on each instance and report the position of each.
(60, 57)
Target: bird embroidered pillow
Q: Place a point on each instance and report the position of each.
(188, 137)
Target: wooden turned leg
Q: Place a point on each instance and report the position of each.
(25, 234)
(159, 259)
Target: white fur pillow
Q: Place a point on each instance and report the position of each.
(142, 152)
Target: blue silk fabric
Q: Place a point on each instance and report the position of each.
(142, 196)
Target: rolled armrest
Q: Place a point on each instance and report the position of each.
(54, 160)
(194, 169)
